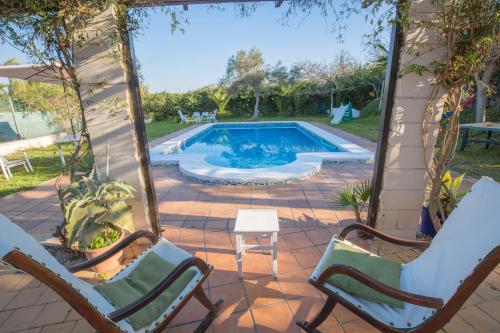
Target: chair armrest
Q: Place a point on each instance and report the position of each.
(388, 238)
(426, 301)
(118, 247)
(139, 303)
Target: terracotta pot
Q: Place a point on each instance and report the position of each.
(108, 264)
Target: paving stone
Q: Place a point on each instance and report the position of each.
(52, 313)
(21, 319)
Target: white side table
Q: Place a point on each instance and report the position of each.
(256, 222)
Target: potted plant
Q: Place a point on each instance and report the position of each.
(355, 196)
(97, 216)
(449, 196)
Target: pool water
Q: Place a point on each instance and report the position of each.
(255, 146)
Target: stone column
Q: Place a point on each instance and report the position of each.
(113, 112)
(412, 132)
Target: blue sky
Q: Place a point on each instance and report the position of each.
(197, 57)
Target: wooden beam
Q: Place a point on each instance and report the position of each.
(278, 3)
(391, 76)
(153, 3)
(185, 7)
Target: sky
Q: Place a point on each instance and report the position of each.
(186, 61)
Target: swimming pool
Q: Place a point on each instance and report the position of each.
(255, 152)
(250, 146)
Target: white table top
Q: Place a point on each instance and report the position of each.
(257, 220)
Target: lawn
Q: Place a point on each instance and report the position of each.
(45, 162)
(158, 129)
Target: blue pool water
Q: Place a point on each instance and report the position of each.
(255, 145)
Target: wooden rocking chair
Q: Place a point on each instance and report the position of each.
(22, 251)
(436, 284)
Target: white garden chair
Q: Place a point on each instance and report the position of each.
(435, 285)
(212, 117)
(184, 119)
(22, 251)
(205, 116)
(6, 165)
(197, 117)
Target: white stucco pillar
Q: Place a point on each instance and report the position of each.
(412, 132)
(106, 92)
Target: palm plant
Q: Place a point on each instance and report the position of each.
(221, 98)
(355, 196)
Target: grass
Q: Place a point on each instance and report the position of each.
(158, 129)
(45, 162)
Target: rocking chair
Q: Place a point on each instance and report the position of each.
(436, 284)
(22, 251)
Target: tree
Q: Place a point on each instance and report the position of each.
(483, 83)
(246, 70)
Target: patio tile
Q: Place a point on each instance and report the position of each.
(82, 326)
(233, 296)
(262, 292)
(26, 297)
(492, 308)
(240, 322)
(274, 318)
(479, 319)
(5, 298)
(62, 328)
(319, 236)
(294, 284)
(192, 311)
(286, 262)
(307, 257)
(52, 313)
(21, 319)
(458, 325)
(306, 308)
(4, 315)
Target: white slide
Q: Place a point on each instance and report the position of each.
(338, 114)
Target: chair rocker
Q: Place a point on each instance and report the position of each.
(435, 285)
(22, 251)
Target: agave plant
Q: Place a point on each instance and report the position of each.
(355, 196)
(96, 211)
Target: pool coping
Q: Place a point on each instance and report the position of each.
(195, 167)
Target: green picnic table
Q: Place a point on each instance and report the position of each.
(487, 127)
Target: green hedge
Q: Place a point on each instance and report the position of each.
(165, 105)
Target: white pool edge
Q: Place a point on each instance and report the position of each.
(307, 164)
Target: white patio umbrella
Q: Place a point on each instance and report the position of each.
(35, 72)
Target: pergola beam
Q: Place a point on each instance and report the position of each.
(186, 3)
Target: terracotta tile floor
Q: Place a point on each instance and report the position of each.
(200, 218)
